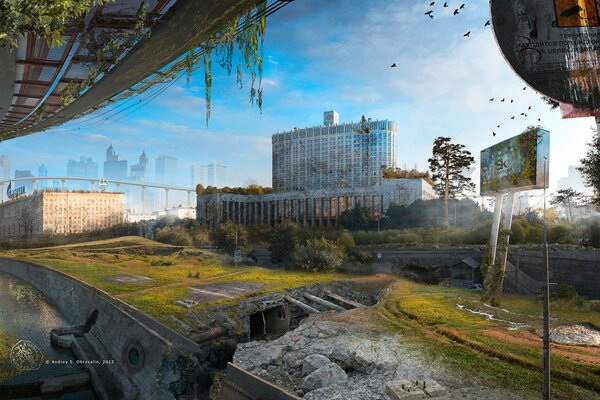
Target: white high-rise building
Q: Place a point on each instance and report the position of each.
(208, 175)
(4, 168)
(334, 155)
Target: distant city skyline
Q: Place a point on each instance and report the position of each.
(440, 87)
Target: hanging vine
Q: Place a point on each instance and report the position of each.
(249, 42)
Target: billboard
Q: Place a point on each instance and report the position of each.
(515, 164)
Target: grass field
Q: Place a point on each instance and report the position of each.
(493, 350)
(441, 323)
(170, 276)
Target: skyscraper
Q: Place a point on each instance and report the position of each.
(217, 175)
(166, 169)
(84, 168)
(198, 175)
(113, 167)
(42, 172)
(138, 171)
(4, 168)
(334, 155)
(28, 183)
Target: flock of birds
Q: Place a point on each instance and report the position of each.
(457, 11)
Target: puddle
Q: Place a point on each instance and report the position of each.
(512, 326)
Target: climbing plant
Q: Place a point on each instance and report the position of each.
(493, 273)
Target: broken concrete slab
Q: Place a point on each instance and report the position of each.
(130, 278)
(223, 290)
(402, 389)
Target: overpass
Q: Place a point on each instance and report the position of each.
(99, 181)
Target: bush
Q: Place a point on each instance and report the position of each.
(200, 237)
(567, 292)
(318, 255)
(362, 257)
(177, 236)
(224, 235)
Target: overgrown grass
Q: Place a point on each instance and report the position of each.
(431, 321)
(171, 276)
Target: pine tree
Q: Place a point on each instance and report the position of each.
(448, 165)
(567, 198)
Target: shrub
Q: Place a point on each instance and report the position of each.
(362, 257)
(177, 236)
(567, 292)
(318, 255)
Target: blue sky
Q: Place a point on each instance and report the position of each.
(331, 54)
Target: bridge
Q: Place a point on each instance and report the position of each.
(98, 181)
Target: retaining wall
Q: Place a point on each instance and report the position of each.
(118, 329)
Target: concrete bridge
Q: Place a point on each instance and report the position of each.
(100, 182)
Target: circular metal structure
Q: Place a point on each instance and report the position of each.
(134, 356)
(554, 45)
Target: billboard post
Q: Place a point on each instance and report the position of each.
(508, 167)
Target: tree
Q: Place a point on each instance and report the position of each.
(448, 164)
(224, 237)
(358, 218)
(567, 198)
(318, 255)
(590, 167)
(284, 239)
(43, 18)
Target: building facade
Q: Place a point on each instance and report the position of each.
(84, 168)
(313, 208)
(333, 156)
(4, 168)
(114, 168)
(139, 170)
(60, 213)
(28, 184)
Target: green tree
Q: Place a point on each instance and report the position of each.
(43, 18)
(568, 198)
(448, 164)
(318, 255)
(224, 237)
(358, 218)
(284, 239)
(590, 167)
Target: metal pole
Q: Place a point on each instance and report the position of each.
(546, 390)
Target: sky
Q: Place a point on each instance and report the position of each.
(322, 55)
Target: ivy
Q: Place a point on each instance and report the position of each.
(493, 273)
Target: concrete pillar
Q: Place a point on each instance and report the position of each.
(189, 193)
(2, 192)
(143, 199)
(62, 183)
(34, 185)
(166, 197)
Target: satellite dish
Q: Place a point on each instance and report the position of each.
(553, 45)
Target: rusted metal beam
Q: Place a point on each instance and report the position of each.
(43, 63)
(344, 300)
(303, 306)
(323, 302)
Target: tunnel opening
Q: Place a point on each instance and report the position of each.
(270, 323)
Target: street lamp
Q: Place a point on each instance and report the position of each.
(546, 389)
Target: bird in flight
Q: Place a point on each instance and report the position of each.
(498, 126)
(529, 108)
(487, 23)
(493, 133)
(502, 101)
(456, 12)
(524, 87)
(393, 65)
(523, 114)
(511, 100)
(467, 34)
(432, 3)
(445, 4)
(429, 12)
(492, 99)
(513, 117)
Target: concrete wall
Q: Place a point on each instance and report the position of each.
(580, 268)
(119, 326)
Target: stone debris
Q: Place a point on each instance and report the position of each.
(402, 389)
(328, 360)
(575, 334)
